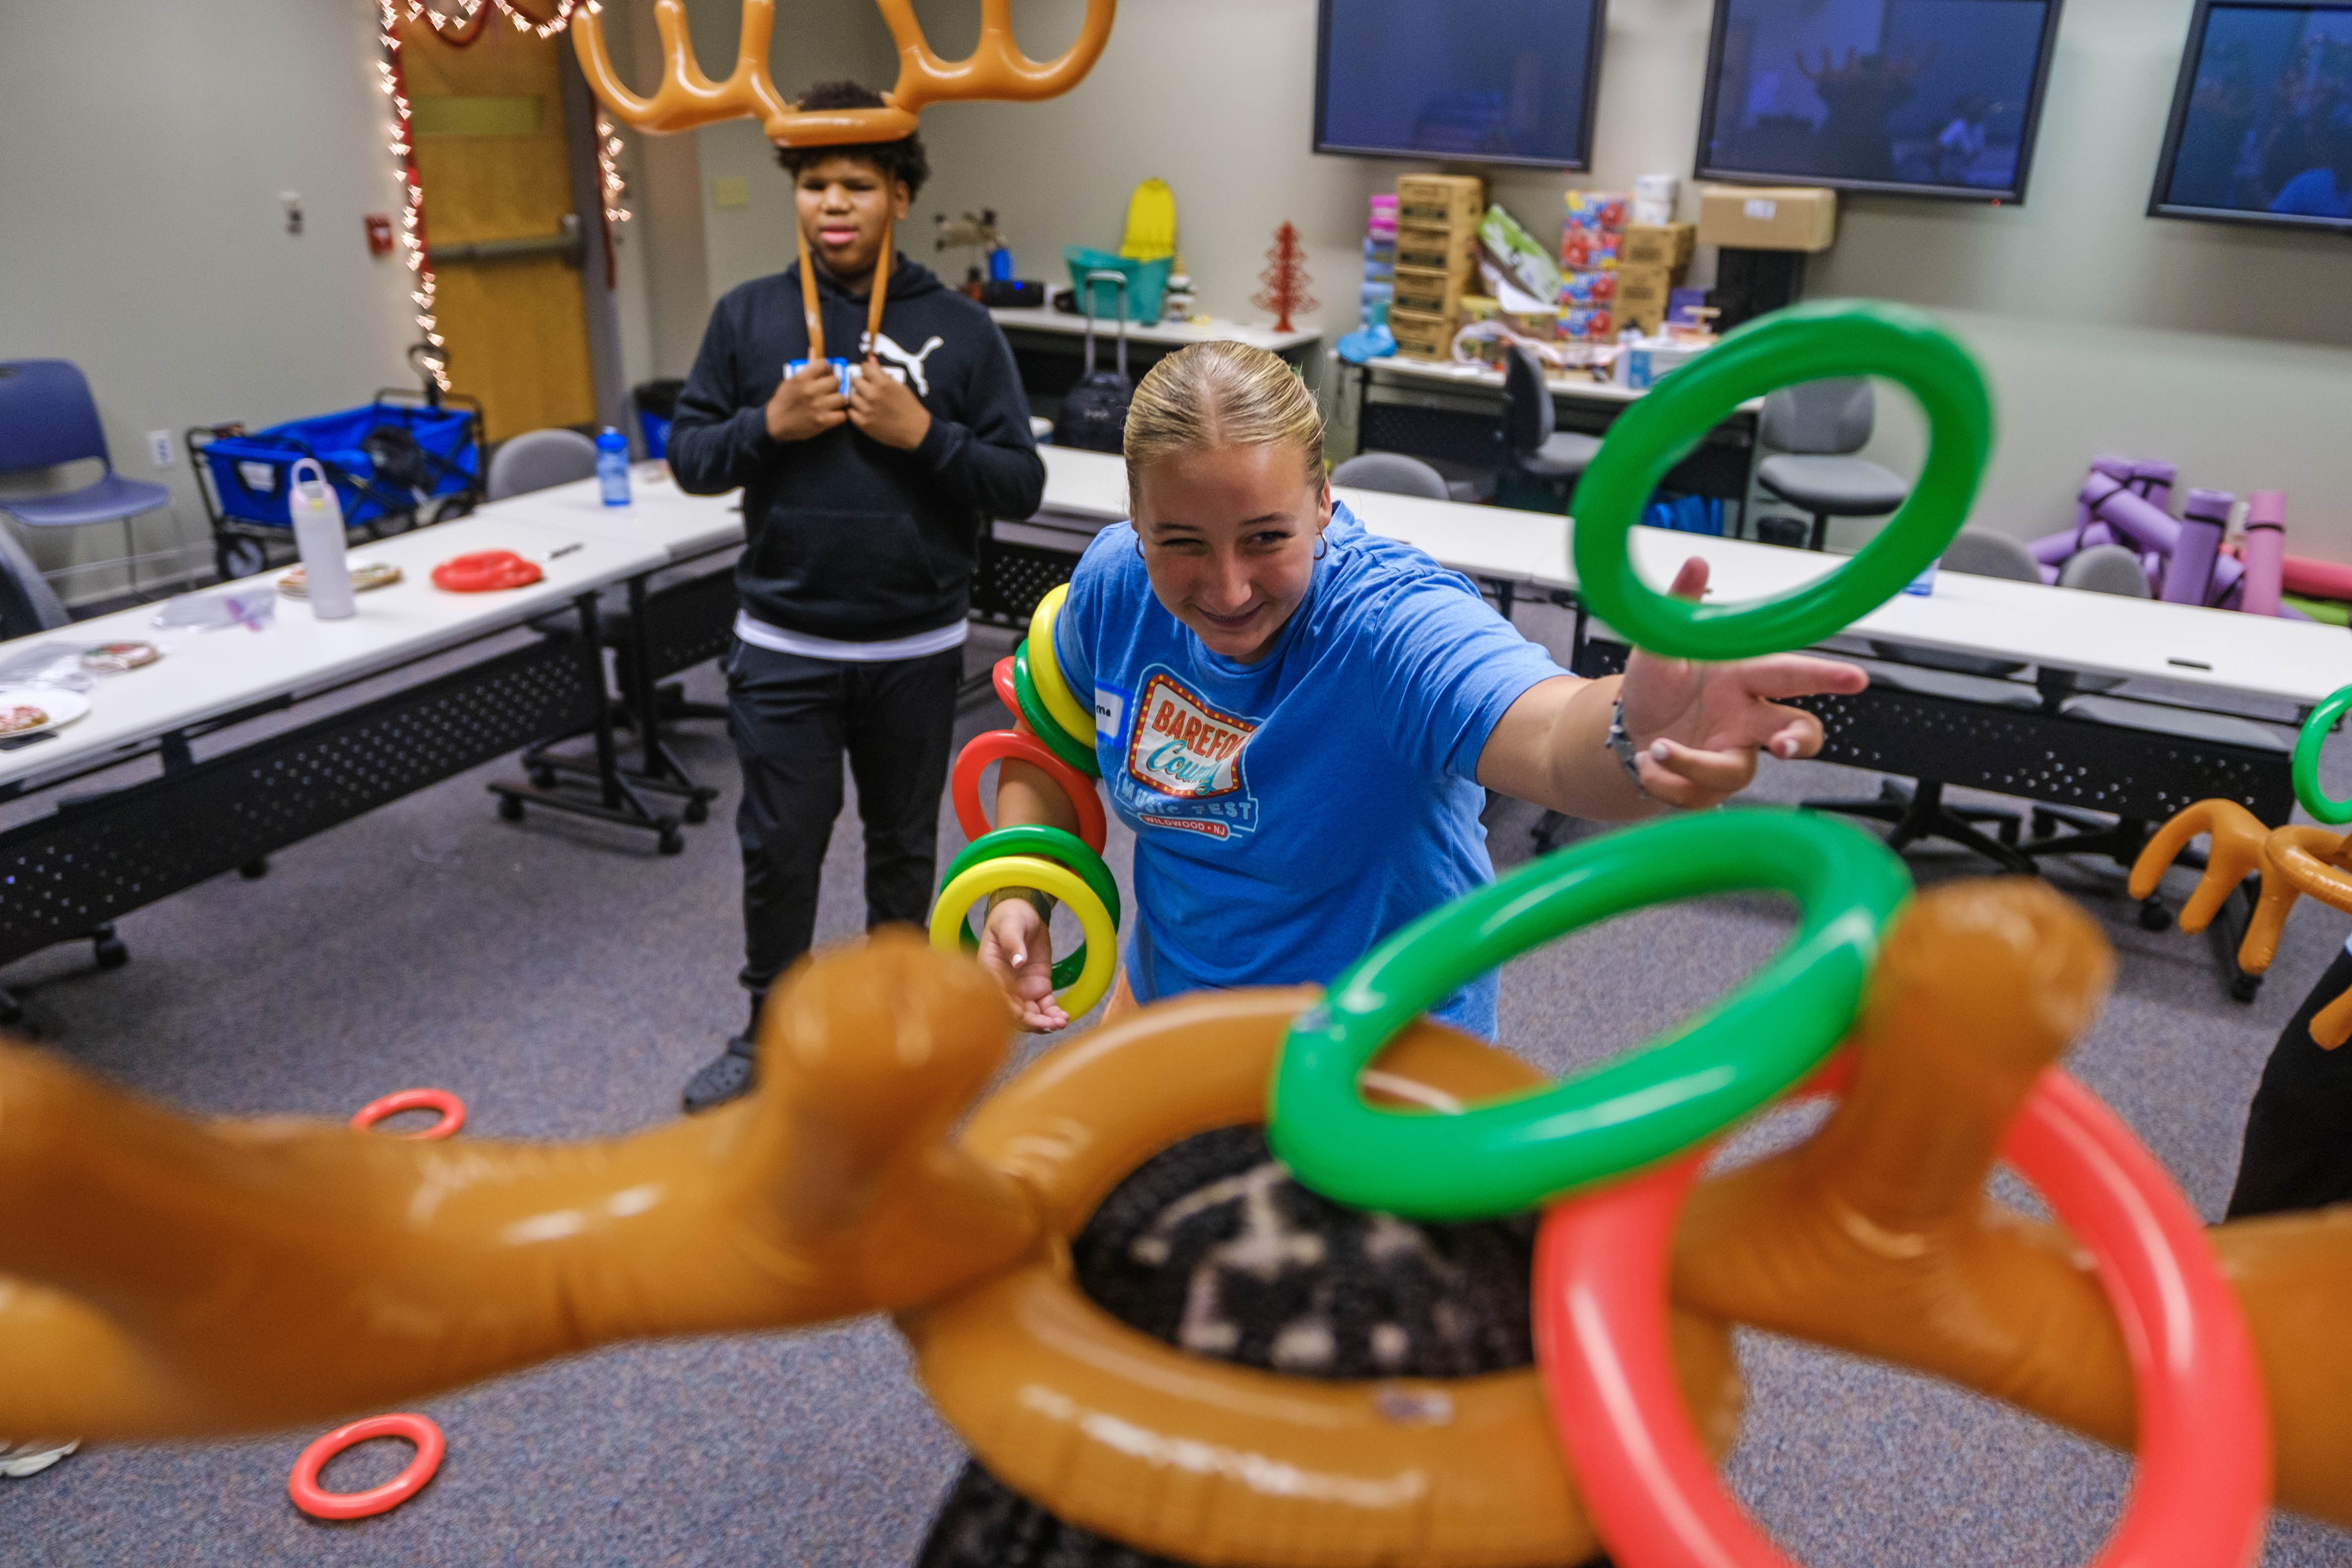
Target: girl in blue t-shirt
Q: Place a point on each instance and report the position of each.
(1298, 719)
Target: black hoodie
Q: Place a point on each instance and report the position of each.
(849, 539)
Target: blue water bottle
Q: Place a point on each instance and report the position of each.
(613, 467)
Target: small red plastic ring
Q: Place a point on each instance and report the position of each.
(995, 746)
(303, 1487)
(2202, 1492)
(452, 1109)
(1006, 693)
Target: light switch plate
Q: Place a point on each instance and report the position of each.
(159, 447)
(731, 190)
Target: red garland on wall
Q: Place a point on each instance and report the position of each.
(1285, 280)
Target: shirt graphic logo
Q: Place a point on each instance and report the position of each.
(903, 367)
(1181, 746)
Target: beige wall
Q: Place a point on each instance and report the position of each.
(141, 151)
(2228, 351)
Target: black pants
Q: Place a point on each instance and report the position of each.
(792, 719)
(2298, 1153)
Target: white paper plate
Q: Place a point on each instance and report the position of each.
(63, 707)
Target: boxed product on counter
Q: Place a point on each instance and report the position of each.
(1657, 245)
(1439, 201)
(1519, 257)
(1767, 218)
(1588, 324)
(1590, 249)
(1596, 211)
(1587, 287)
(1421, 337)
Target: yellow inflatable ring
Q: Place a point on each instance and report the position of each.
(1174, 1454)
(1028, 872)
(1045, 670)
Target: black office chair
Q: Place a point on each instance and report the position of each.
(1813, 429)
(1553, 458)
(1918, 810)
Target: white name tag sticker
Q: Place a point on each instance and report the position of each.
(1762, 210)
(1110, 711)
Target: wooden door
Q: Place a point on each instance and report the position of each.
(488, 120)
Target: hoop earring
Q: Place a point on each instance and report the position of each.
(1322, 545)
(1139, 549)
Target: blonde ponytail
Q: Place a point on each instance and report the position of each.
(1221, 393)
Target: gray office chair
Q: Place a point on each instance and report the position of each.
(540, 459)
(27, 603)
(1918, 810)
(1812, 428)
(2076, 694)
(1533, 445)
(1392, 473)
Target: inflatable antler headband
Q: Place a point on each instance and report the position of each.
(996, 69)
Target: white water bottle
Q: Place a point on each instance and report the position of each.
(319, 535)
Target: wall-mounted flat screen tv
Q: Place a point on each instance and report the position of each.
(2261, 118)
(1482, 81)
(1922, 97)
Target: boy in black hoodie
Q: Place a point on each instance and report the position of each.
(863, 514)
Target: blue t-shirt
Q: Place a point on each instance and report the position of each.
(1290, 813)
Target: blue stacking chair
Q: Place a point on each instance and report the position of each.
(49, 419)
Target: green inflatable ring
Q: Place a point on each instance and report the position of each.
(1049, 844)
(1033, 713)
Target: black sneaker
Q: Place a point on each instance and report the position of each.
(727, 1077)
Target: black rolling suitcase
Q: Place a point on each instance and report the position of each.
(1094, 412)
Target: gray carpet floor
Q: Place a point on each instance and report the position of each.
(565, 980)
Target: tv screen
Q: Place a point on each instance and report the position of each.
(1491, 81)
(2261, 118)
(1929, 98)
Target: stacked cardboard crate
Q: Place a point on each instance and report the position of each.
(1436, 259)
(1652, 259)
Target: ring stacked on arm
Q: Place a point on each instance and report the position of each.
(1049, 731)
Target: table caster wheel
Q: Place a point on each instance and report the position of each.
(2153, 916)
(697, 812)
(254, 870)
(543, 778)
(510, 808)
(672, 842)
(110, 951)
(2242, 987)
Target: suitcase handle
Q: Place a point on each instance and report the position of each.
(1105, 276)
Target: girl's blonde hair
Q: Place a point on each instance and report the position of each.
(1222, 395)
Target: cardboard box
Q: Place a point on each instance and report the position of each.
(1440, 201)
(1643, 294)
(1657, 245)
(1428, 294)
(1421, 337)
(1767, 218)
(1439, 250)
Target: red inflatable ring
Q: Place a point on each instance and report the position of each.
(303, 1487)
(1005, 693)
(452, 1109)
(995, 746)
(2202, 1492)
(485, 571)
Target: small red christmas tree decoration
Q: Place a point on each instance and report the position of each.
(1285, 280)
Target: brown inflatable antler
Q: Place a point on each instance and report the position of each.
(2293, 860)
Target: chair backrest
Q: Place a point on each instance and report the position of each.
(1393, 472)
(539, 459)
(27, 603)
(1527, 401)
(1819, 416)
(1988, 554)
(2105, 568)
(47, 416)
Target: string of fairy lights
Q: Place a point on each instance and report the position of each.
(459, 29)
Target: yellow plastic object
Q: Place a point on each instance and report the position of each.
(1045, 670)
(1028, 872)
(1150, 223)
